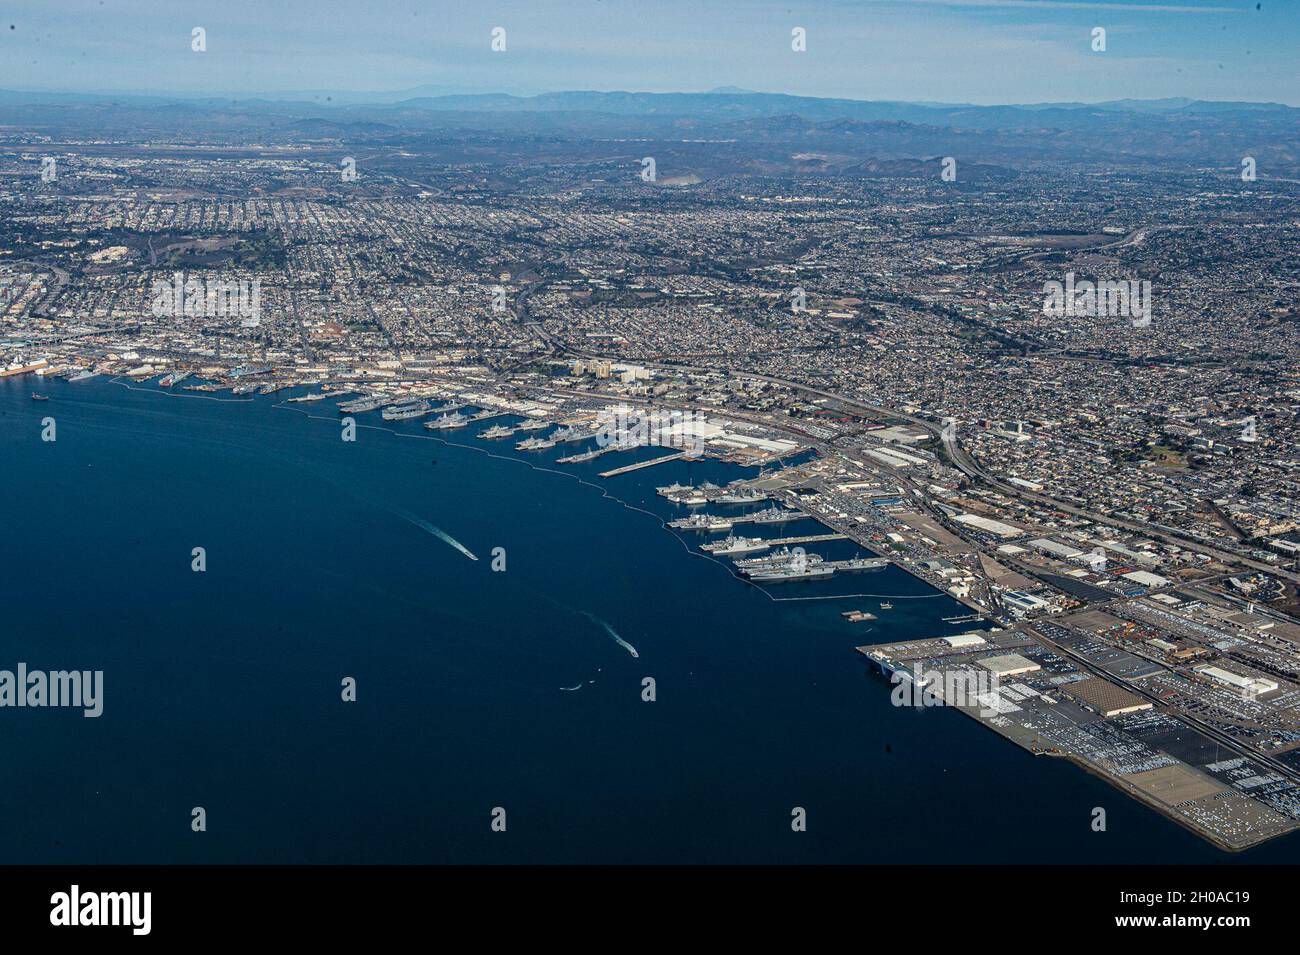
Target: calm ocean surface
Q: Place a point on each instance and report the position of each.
(222, 689)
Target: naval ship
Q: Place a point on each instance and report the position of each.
(736, 545)
(569, 434)
(746, 495)
(534, 424)
(363, 404)
(775, 515)
(584, 456)
(668, 490)
(407, 410)
(447, 422)
(795, 570)
(701, 522)
(497, 431)
(534, 444)
(683, 494)
(864, 563)
(778, 558)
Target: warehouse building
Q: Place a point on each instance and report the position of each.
(1054, 549)
(997, 528)
(1009, 664)
(1253, 686)
(1021, 603)
(1105, 697)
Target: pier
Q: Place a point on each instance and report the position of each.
(629, 468)
(807, 539)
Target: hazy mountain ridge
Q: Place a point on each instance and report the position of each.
(774, 128)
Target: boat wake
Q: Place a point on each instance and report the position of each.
(437, 532)
(612, 632)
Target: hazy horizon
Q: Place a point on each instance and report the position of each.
(977, 52)
(359, 97)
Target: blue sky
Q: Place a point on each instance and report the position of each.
(972, 51)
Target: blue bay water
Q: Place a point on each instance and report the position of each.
(222, 688)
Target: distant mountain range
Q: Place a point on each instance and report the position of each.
(841, 134)
(722, 102)
(739, 104)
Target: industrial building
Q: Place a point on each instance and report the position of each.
(1105, 697)
(1253, 686)
(1009, 664)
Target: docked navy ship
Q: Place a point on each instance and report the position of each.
(447, 422)
(796, 569)
(736, 545)
(778, 558)
(569, 434)
(357, 405)
(701, 522)
(407, 410)
(534, 444)
(775, 515)
(683, 494)
(864, 563)
(584, 456)
(742, 495)
(668, 490)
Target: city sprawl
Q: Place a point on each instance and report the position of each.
(1061, 385)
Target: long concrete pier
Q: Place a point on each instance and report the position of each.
(807, 539)
(627, 469)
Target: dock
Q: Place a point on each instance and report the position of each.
(629, 468)
(807, 539)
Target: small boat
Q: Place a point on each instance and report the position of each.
(857, 616)
(36, 397)
(886, 606)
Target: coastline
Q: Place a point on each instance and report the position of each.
(804, 641)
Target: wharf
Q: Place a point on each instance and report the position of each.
(629, 468)
(806, 539)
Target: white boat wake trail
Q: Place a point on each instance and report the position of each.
(437, 532)
(612, 632)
